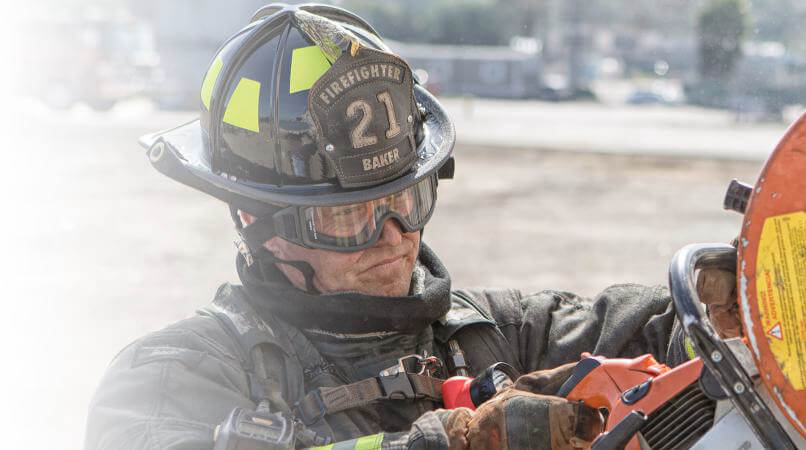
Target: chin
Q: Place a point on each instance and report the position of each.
(395, 289)
(391, 286)
(397, 292)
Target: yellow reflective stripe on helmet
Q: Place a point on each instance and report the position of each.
(242, 109)
(308, 64)
(209, 81)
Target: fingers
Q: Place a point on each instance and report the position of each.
(455, 423)
(590, 424)
(545, 382)
(717, 289)
(725, 319)
(489, 425)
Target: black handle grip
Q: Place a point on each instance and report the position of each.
(621, 434)
(582, 369)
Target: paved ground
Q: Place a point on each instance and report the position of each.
(643, 130)
(100, 248)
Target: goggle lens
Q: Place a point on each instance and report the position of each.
(346, 227)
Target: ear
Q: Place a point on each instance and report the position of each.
(246, 218)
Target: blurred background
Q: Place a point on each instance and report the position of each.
(594, 140)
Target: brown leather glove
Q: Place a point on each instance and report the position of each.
(717, 289)
(545, 382)
(517, 419)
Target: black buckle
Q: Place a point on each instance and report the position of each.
(256, 389)
(302, 408)
(401, 365)
(397, 387)
(456, 361)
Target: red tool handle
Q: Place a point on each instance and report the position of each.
(456, 393)
(469, 392)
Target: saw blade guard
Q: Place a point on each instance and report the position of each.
(770, 262)
(715, 353)
(771, 274)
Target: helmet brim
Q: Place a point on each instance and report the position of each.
(179, 154)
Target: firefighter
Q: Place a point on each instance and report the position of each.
(329, 155)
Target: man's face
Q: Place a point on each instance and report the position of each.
(383, 269)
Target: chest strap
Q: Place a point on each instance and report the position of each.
(324, 401)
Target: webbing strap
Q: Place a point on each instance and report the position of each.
(402, 386)
(430, 387)
(249, 331)
(258, 232)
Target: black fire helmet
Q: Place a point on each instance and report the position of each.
(306, 106)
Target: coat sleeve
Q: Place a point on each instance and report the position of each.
(167, 390)
(550, 328)
(625, 320)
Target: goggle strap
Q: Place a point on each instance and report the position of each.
(286, 224)
(258, 232)
(283, 223)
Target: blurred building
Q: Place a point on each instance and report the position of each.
(187, 34)
(484, 71)
(578, 50)
(95, 54)
(768, 79)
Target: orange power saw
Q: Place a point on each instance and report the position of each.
(739, 393)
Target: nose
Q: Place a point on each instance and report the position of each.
(391, 234)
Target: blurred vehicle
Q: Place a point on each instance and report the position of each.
(552, 94)
(641, 97)
(95, 58)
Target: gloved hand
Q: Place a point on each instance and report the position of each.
(517, 419)
(545, 382)
(717, 289)
(526, 415)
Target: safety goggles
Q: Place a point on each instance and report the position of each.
(357, 226)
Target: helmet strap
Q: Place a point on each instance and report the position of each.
(263, 256)
(250, 245)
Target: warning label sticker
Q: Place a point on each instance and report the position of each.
(776, 331)
(781, 289)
